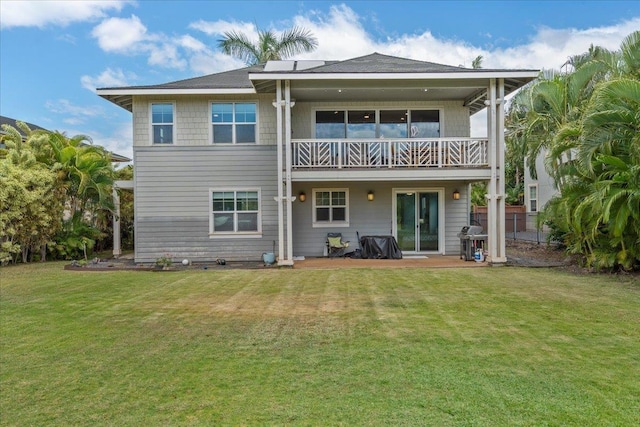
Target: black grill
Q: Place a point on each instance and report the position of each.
(471, 239)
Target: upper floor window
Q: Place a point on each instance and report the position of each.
(533, 198)
(377, 124)
(235, 212)
(162, 123)
(331, 207)
(233, 122)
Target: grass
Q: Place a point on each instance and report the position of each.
(472, 347)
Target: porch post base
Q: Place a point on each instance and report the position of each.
(497, 261)
(285, 262)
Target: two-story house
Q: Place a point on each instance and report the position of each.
(233, 164)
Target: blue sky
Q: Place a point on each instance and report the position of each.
(53, 54)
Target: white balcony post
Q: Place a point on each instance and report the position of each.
(288, 199)
(280, 196)
(495, 196)
(501, 257)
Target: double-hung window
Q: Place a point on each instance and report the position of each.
(162, 123)
(235, 212)
(533, 198)
(331, 207)
(234, 122)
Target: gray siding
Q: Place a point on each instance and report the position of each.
(172, 201)
(372, 218)
(193, 118)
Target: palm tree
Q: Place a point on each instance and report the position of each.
(269, 46)
(587, 121)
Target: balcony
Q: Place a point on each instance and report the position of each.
(358, 154)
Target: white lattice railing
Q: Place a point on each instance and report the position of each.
(391, 153)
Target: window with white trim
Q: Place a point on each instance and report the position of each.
(235, 212)
(331, 207)
(162, 123)
(533, 197)
(233, 122)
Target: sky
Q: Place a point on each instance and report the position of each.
(53, 54)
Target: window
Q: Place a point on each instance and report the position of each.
(330, 124)
(393, 124)
(424, 123)
(235, 212)
(234, 123)
(336, 124)
(533, 198)
(331, 207)
(361, 124)
(162, 123)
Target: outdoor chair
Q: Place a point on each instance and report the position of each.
(335, 246)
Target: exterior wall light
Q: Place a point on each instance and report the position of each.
(456, 195)
(370, 196)
(302, 197)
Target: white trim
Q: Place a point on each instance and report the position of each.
(329, 224)
(233, 124)
(125, 91)
(234, 234)
(470, 74)
(441, 214)
(174, 125)
(528, 198)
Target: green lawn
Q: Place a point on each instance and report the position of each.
(441, 347)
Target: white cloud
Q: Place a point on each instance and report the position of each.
(108, 78)
(550, 48)
(220, 27)
(120, 35)
(75, 114)
(120, 141)
(59, 13)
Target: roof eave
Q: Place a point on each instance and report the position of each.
(123, 97)
(467, 74)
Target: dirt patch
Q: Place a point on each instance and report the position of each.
(532, 254)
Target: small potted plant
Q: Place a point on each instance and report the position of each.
(164, 262)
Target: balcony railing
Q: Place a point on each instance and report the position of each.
(390, 153)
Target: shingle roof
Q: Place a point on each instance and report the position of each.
(261, 78)
(234, 79)
(379, 63)
(12, 122)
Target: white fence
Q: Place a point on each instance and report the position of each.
(391, 153)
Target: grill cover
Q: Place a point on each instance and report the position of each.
(379, 247)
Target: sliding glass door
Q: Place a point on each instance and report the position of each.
(418, 220)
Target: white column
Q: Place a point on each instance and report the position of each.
(492, 190)
(116, 223)
(288, 197)
(279, 141)
(501, 256)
